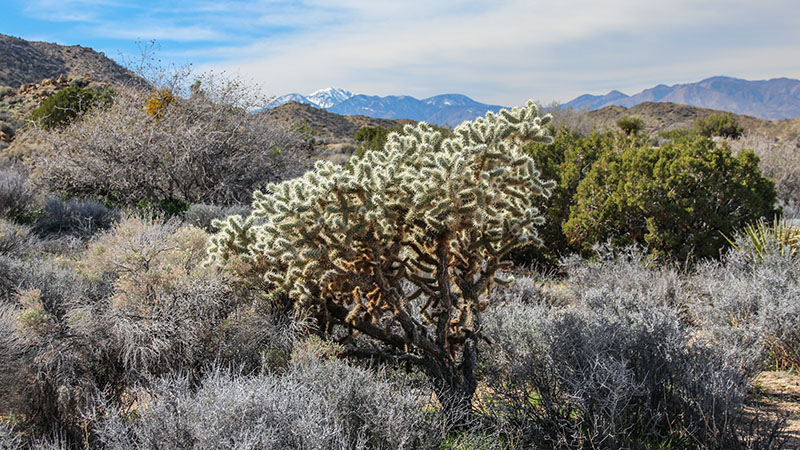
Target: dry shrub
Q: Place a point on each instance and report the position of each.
(138, 303)
(79, 218)
(16, 195)
(204, 148)
(750, 298)
(779, 161)
(15, 239)
(322, 405)
(618, 367)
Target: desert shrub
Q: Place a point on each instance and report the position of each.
(6, 91)
(82, 218)
(404, 247)
(322, 405)
(206, 147)
(15, 239)
(718, 124)
(372, 138)
(12, 364)
(618, 367)
(63, 107)
(679, 199)
(780, 162)
(8, 439)
(136, 304)
(630, 125)
(16, 195)
(625, 269)
(751, 298)
(201, 215)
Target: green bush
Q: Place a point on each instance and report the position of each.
(720, 124)
(680, 199)
(61, 108)
(567, 160)
(372, 138)
(630, 125)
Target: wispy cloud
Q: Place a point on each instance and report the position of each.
(502, 51)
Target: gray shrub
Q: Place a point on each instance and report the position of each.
(753, 302)
(16, 195)
(15, 240)
(81, 218)
(620, 365)
(323, 405)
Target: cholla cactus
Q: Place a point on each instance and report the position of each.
(404, 246)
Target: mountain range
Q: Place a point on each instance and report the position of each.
(775, 99)
(444, 110)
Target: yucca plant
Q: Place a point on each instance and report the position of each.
(760, 238)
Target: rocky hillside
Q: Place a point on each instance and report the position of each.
(25, 62)
(325, 124)
(659, 116)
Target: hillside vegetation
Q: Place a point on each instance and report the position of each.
(669, 116)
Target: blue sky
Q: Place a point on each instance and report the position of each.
(495, 51)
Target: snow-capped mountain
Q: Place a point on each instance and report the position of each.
(323, 98)
(445, 110)
(326, 98)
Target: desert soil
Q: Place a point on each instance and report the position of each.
(779, 395)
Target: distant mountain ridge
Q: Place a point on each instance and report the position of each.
(774, 99)
(26, 62)
(444, 110)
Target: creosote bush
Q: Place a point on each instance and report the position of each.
(404, 247)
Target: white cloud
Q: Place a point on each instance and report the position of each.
(166, 32)
(501, 51)
(504, 51)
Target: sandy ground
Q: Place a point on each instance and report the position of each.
(779, 395)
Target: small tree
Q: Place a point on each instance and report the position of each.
(404, 248)
(720, 124)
